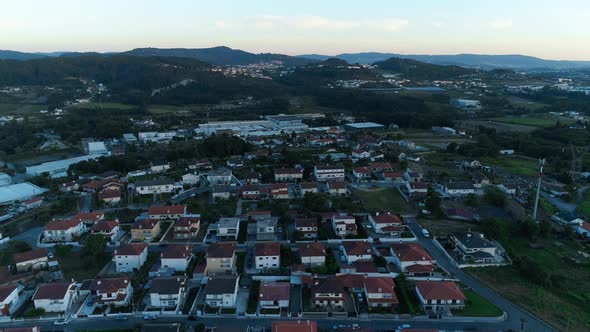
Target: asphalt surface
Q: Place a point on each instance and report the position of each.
(514, 312)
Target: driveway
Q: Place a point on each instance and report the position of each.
(514, 312)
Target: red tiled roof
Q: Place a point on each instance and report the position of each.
(221, 250)
(33, 200)
(337, 185)
(62, 225)
(420, 268)
(357, 248)
(52, 291)
(267, 249)
(294, 326)
(109, 285)
(5, 291)
(175, 251)
(166, 209)
(411, 252)
(89, 216)
(145, 224)
(439, 290)
(314, 249)
(29, 255)
(386, 218)
(362, 170)
(109, 193)
(395, 175)
(306, 222)
(131, 249)
(275, 291)
(288, 171)
(105, 226)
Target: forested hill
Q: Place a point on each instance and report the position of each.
(220, 55)
(416, 70)
(328, 71)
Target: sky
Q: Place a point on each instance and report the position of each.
(545, 28)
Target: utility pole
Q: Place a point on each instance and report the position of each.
(542, 163)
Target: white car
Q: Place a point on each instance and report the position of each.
(425, 232)
(64, 321)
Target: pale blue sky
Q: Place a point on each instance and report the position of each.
(545, 28)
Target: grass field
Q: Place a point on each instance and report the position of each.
(477, 306)
(73, 268)
(532, 121)
(442, 228)
(584, 206)
(528, 104)
(381, 199)
(110, 106)
(564, 297)
(516, 166)
(19, 108)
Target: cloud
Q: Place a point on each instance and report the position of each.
(501, 24)
(222, 25)
(267, 22)
(437, 25)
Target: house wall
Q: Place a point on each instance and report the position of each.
(268, 262)
(178, 264)
(127, 263)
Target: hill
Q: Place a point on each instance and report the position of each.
(220, 55)
(328, 71)
(416, 70)
(14, 55)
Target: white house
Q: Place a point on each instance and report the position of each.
(10, 297)
(31, 260)
(267, 255)
(130, 257)
(274, 294)
(380, 292)
(116, 292)
(190, 179)
(313, 254)
(228, 228)
(221, 291)
(168, 292)
(219, 177)
(439, 297)
(288, 174)
(328, 173)
(344, 225)
(583, 229)
(158, 186)
(55, 297)
(386, 222)
(108, 228)
(177, 256)
(417, 188)
(412, 258)
(356, 250)
(63, 230)
(459, 188)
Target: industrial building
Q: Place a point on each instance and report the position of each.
(58, 168)
(363, 126)
(19, 192)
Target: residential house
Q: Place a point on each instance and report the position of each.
(221, 258)
(412, 259)
(31, 260)
(360, 154)
(221, 291)
(459, 188)
(221, 192)
(63, 230)
(33, 203)
(177, 257)
(480, 180)
(171, 212)
(440, 297)
(279, 191)
(288, 174)
(250, 191)
(308, 187)
(307, 227)
(227, 228)
(55, 296)
(190, 179)
(145, 230)
(328, 173)
(395, 177)
(11, 297)
(157, 186)
(108, 228)
(344, 226)
(583, 229)
(274, 294)
(116, 292)
(251, 178)
(130, 257)
(266, 229)
(187, 227)
(380, 167)
(417, 188)
(222, 176)
(567, 218)
(473, 246)
(110, 196)
(159, 166)
(386, 223)
(328, 292)
(267, 255)
(356, 250)
(362, 173)
(168, 292)
(412, 176)
(313, 254)
(380, 292)
(337, 188)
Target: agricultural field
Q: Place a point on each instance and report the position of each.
(584, 206)
(533, 121)
(528, 104)
(514, 165)
(110, 106)
(20, 109)
(381, 199)
(561, 293)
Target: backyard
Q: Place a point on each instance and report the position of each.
(73, 267)
(381, 199)
(477, 306)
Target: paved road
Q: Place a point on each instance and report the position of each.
(514, 312)
(559, 203)
(187, 194)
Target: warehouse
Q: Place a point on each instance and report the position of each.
(58, 168)
(363, 126)
(19, 192)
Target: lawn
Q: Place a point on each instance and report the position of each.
(163, 109)
(71, 263)
(532, 121)
(477, 306)
(381, 199)
(584, 206)
(516, 166)
(528, 104)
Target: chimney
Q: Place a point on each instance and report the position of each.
(99, 282)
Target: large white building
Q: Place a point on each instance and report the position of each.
(130, 257)
(328, 173)
(55, 297)
(58, 168)
(19, 192)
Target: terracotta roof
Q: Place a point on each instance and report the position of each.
(89, 216)
(267, 249)
(62, 225)
(109, 193)
(386, 218)
(411, 252)
(439, 290)
(393, 175)
(33, 200)
(29, 255)
(53, 291)
(109, 285)
(187, 221)
(362, 170)
(420, 268)
(357, 248)
(221, 285)
(380, 165)
(331, 285)
(275, 291)
(105, 226)
(306, 222)
(145, 224)
(294, 326)
(5, 291)
(166, 209)
(365, 266)
(131, 249)
(309, 185)
(337, 185)
(312, 249)
(418, 185)
(288, 171)
(380, 285)
(167, 285)
(177, 251)
(221, 250)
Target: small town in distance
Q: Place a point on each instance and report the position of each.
(213, 189)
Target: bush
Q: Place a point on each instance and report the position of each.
(31, 313)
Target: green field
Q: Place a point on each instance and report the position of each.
(19, 108)
(516, 166)
(584, 206)
(528, 104)
(532, 121)
(381, 199)
(477, 306)
(109, 106)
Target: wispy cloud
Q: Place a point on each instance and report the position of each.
(501, 24)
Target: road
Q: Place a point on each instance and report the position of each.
(187, 194)
(514, 312)
(559, 203)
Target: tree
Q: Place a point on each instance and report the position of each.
(496, 229)
(495, 196)
(433, 203)
(94, 249)
(471, 200)
(316, 202)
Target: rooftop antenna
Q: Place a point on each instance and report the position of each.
(541, 163)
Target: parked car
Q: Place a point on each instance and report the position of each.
(150, 317)
(64, 321)
(425, 232)
(121, 317)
